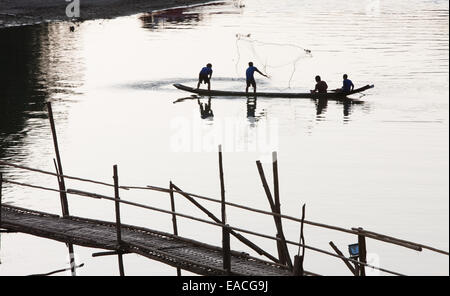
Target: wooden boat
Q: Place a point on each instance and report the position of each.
(334, 95)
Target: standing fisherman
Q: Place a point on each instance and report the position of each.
(205, 76)
(250, 78)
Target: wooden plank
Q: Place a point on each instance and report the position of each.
(190, 255)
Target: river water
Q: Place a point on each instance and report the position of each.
(381, 165)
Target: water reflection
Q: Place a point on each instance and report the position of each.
(205, 109)
(347, 108)
(21, 90)
(34, 64)
(185, 17)
(166, 18)
(321, 107)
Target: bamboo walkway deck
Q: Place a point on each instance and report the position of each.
(173, 250)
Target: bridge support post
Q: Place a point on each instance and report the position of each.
(222, 186)
(118, 224)
(226, 248)
(174, 217)
(62, 185)
(362, 252)
(281, 243)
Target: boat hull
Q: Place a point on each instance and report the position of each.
(329, 95)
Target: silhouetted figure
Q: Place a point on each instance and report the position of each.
(251, 107)
(249, 75)
(347, 107)
(205, 109)
(347, 84)
(72, 28)
(321, 86)
(205, 76)
(321, 106)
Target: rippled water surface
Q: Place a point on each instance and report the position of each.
(381, 165)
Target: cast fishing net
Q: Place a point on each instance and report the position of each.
(280, 61)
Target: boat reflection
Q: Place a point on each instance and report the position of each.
(321, 106)
(186, 17)
(347, 107)
(166, 18)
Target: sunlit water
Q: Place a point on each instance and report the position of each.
(381, 165)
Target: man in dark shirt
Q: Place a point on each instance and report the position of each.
(205, 76)
(250, 78)
(321, 86)
(347, 85)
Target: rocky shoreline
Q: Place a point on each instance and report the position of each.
(28, 12)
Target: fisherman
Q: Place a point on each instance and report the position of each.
(347, 85)
(205, 76)
(250, 78)
(321, 86)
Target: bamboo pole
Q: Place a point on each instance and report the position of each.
(215, 219)
(107, 253)
(369, 234)
(64, 203)
(226, 246)
(300, 258)
(76, 192)
(174, 218)
(347, 263)
(281, 243)
(118, 224)
(222, 186)
(69, 246)
(283, 246)
(226, 249)
(56, 271)
(362, 252)
(62, 185)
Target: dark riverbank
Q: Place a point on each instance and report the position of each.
(27, 12)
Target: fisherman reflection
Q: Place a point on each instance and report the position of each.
(251, 107)
(321, 106)
(347, 107)
(205, 109)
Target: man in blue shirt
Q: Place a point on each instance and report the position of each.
(249, 76)
(347, 85)
(205, 76)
